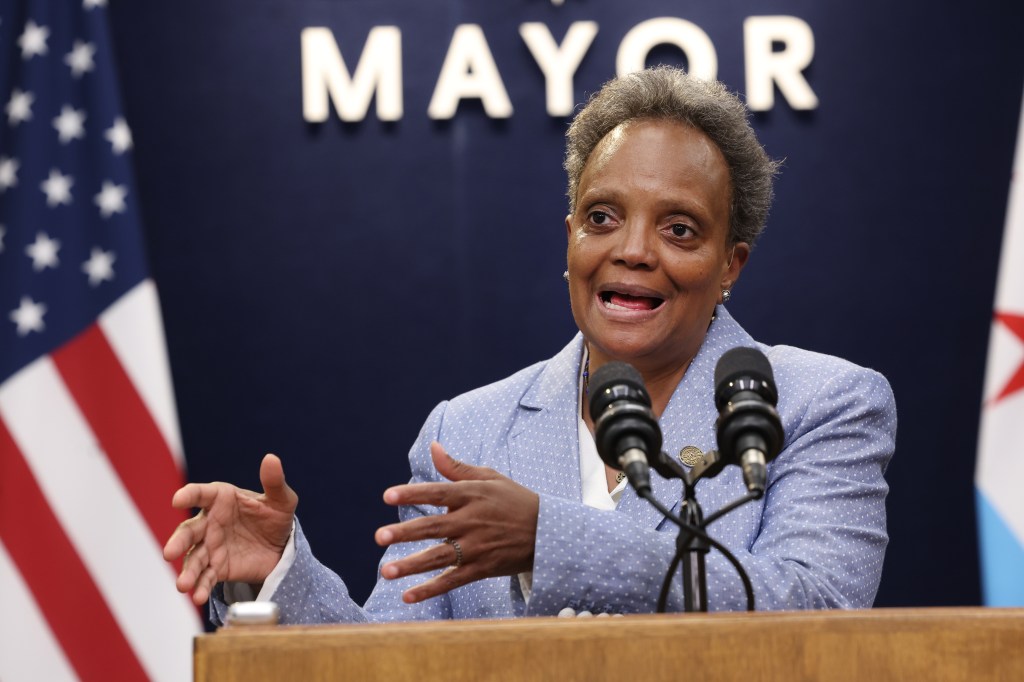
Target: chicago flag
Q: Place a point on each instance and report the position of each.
(1000, 468)
(89, 446)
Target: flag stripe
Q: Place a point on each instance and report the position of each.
(125, 429)
(1010, 286)
(100, 519)
(1000, 468)
(135, 331)
(28, 648)
(56, 576)
(1002, 557)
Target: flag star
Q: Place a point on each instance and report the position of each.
(43, 252)
(1015, 323)
(100, 266)
(33, 40)
(80, 58)
(70, 124)
(28, 316)
(111, 199)
(57, 188)
(91, 4)
(119, 135)
(8, 173)
(19, 107)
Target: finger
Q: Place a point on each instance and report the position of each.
(184, 536)
(429, 559)
(199, 559)
(436, 494)
(454, 470)
(195, 563)
(440, 584)
(195, 495)
(430, 527)
(204, 586)
(272, 480)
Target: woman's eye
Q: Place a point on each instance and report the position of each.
(681, 230)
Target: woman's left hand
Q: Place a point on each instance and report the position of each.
(490, 518)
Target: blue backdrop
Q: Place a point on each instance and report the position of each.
(325, 284)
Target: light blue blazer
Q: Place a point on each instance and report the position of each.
(816, 539)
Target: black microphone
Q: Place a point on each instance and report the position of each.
(749, 428)
(625, 428)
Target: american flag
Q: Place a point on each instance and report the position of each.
(89, 446)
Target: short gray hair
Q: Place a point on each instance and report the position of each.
(669, 93)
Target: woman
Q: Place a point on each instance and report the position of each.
(668, 191)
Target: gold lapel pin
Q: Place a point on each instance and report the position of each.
(691, 455)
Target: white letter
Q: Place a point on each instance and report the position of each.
(559, 64)
(469, 71)
(379, 70)
(784, 67)
(687, 36)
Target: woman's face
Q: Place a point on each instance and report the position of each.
(649, 250)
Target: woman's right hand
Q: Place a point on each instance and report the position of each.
(238, 535)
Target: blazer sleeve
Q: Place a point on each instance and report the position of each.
(823, 530)
(818, 541)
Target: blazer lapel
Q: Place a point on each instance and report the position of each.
(544, 441)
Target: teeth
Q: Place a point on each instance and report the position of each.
(615, 306)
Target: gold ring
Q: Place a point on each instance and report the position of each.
(458, 551)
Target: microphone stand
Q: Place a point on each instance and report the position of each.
(691, 549)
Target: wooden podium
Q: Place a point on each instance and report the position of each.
(912, 645)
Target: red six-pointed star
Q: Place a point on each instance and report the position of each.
(1015, 323)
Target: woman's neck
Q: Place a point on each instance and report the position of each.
(662, 384)
(659, 380)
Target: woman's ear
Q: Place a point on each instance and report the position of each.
(738, 258)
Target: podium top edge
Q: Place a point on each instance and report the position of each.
(909, 617)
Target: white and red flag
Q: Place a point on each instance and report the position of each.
(1000, 467)
(90, 451)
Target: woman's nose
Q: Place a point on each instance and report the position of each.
(637, 244)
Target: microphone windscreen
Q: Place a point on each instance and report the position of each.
(742, 369)
(610, 381)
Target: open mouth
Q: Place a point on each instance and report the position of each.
(615, 300)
